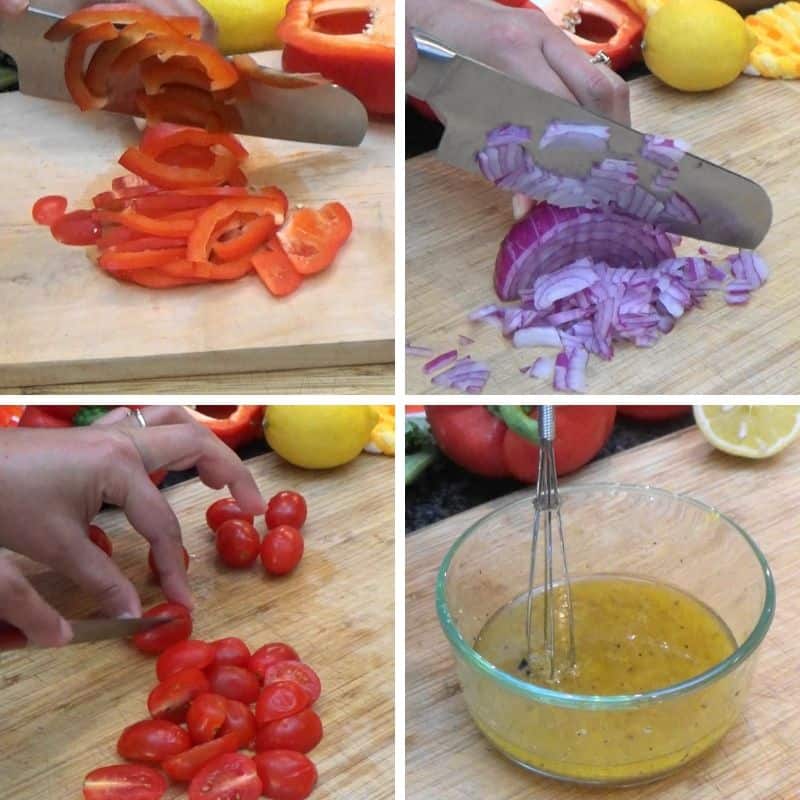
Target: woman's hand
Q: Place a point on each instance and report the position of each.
(54, 483)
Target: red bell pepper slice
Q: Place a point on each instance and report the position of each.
(351, 42)
(311, 238)
(117, 260)
(253, 234)
(155, 279)
(168, 176)
(180, 70)
(77, 228)
(236, 425)
(208, 270)
(221, 73)
(275, 269)
(202, 197)
(159, 139)
(188, 106)
(119, 14)
(168, 228)
(73, 66)
(46, 210)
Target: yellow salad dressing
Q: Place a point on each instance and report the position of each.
(631, 636)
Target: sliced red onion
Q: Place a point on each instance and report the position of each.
(508, 134)
(542, 367)
(442, 360)
(663, 151)
(464, 341)
(568, 281)
(679, 209)
(748, 266)
(541, 336)
(576, 135)
(465, 375)
(665, 178)
(418, 351)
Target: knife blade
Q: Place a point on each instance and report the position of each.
(304, 109)
(472, 98)
(85, 630)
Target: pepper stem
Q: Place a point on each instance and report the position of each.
(516, 419)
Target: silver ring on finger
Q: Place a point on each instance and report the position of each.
(600, 58)
(139, 417)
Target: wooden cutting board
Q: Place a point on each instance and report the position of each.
(448, 759)
(64, 320)
(455, 223)
(64, 710)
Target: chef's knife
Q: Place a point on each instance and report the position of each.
(304, 109)
(85, 630)
(472, 98)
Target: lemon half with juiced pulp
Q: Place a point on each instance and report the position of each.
(749, 431)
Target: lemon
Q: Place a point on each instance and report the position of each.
(749, 431)
(697, 45)
(318, 437)
(246, 26)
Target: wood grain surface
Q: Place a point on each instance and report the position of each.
(65, 321)
(64, 710)
(455, 222)
(758, 760)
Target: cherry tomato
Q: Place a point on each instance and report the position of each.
(228, 777)
(100, 538)
(182, 655)
(285, 775)
(237, 683)
(270, 654)
(151, 562)
(152, 740)
(124, 782)
(206, 716)
(238, 543)
(286, 508)
(299, 673)
(170, 699)
(158, 639)
(240, 720)
(184, 766)
(301, 732)
(282, 550)
(280, 699)
(231, 651)
(222, 510)
(47, 209)
(77, 228)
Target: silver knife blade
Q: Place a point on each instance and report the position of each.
(305, 109)
(472, 98)
(95, 630)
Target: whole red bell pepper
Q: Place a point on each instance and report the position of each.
(234, 425)
(500, 441)
(43, 417)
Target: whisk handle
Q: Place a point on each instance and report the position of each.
(547, 423)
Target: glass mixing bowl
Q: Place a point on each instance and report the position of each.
(622, 530)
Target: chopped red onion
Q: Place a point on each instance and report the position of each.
(464, 341)
(576, 135)
(663, 151)
(542, 367)
(418, 351)
(465, 375)
(442, 360)
(541, 336)
(679, 209)
(665, 178)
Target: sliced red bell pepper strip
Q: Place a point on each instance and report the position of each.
(119, 14)
(219, 70)
(77, 228)
(351, 42)
(176, 106)
(73, 66)
(168, 228)
(180, 70)
(200, 239)
(46, 210)
(202, 197)
(160, 139)
(311, 238)
(253, 234)
(114, 235)
(116, 260)
(145, 243)
(238, 426)
(167, 176)
(237, 178)
(208, 271)
(155, 279)
(275, 269)
(109, 201)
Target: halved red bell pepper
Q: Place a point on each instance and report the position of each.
(234, 425)
(84, 98)
(168, 176)
(119, 14)
(351, 42)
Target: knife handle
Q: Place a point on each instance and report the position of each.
(11, 637)
(433, 58)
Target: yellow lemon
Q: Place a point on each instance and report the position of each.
(697, 45)
(749, 431)
(246, 26)
(318, 437)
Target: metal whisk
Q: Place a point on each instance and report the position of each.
(558, 639)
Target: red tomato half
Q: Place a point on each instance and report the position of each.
(151, 562)
(152, 740)
(231, 651)
(206, 716)
(301, 732)
(100, 538)
(237, 683)
(182, 655)
(221, 510)
(46, 210)
(238, 543)
(186, 765)
(270, 654)
(299, 673)
(229, 777)
(124, 782)
(286, 508)
(160, 638)
(286, 775)
(240, 720)
(170, 699)
(279, 700)
(282, 550)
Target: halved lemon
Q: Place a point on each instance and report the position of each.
(749, 431)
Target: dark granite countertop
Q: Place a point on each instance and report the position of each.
(445, 489)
